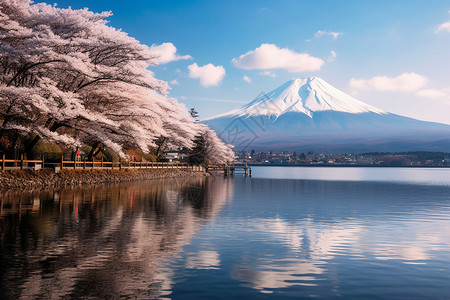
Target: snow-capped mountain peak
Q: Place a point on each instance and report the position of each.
(311, 115)
(302, 95)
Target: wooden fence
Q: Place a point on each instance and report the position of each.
(8, 164)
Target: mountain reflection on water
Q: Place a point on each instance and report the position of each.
(228, 238)
(104, 241)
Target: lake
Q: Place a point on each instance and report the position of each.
(285, 233)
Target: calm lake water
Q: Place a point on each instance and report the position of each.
(353, 233)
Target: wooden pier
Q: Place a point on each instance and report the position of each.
(231, 170)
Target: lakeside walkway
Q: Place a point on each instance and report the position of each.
(26, 164)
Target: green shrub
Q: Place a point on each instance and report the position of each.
(51, 150)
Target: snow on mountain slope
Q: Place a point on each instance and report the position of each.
(310, 114)
(307, 95)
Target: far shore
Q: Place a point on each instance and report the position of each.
(344, 166)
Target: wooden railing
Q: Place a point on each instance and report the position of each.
(19, 163)
(92, 164)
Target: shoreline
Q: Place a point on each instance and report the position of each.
(46, 178)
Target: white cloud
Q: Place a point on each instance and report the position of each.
(434, 93)
(268, 73)
(174, 82)
(321, 33)
(443, 27)
(269, 56)
(405, 82)
(209, 75)
(332, 56)
(167, 52)
(246, 78)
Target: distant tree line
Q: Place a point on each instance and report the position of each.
(420, 155)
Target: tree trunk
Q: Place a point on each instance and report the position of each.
(31, 144)
(160, 142)
(92, 153)
(98, 151)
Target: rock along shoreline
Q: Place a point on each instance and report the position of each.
(29, 179)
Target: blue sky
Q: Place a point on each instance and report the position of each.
(391, 54)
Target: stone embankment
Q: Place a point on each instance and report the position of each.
(16, 179)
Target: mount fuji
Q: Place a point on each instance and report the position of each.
(311, 115)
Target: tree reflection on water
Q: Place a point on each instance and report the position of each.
(101, 241)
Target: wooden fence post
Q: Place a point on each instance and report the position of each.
(3, 162)
(21, 161)
(43, 161)
(84, 164)
(120, 164)
(62, 161)
(92, 163)
(101, 164)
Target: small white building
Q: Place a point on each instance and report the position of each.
(172, 156)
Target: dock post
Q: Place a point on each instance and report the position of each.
(250, 172)
(3, 162)
(62, 161)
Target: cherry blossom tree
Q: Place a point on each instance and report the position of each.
(67, 76)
